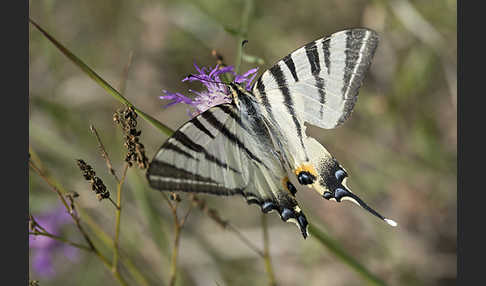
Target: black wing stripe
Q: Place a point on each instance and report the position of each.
(173, 178)
(186, 141)
(290, 64)
(201, 127)
(228, 110)
(263, 96)
(178, 150)
(322, 93)
(177, 179)
(208, 115)
(279, 77)
(315, 64)
(352, 46)
(166, 170)
(171, 184)
(313, 57)
(349, 63)
(355, 66)
(258, 127)
(327, 55)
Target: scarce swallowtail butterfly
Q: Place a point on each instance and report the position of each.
(256, 146)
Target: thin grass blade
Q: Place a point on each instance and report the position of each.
(99, 80)
(335, 248)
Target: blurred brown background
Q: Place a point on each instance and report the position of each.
(399, 146)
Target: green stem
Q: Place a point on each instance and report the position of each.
(266, 252)
(117, 220)
(58, 238)
(175, 250)
(245, 17)
(93, 225)
(335, 248)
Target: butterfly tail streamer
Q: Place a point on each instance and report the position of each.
(357, 200)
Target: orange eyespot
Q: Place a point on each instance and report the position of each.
(306, 168)
(289, 186)
(284, 182)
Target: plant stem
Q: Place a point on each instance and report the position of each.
(243, 33)
(99, 80)
(175, 252)
(105, 261)
(213, 214)
(175, 249)
(104, 154)
(266, 252)
(76, 220)
(335, 248)
(58, 238)
(117, 220)
(53, 186)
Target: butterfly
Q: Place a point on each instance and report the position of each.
(256, 146)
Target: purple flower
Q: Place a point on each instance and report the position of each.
(45, 247)
(216, 92)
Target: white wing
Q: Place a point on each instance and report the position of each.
(324, 75)
(224, 151)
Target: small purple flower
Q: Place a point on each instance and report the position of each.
(245, 78)
(216, 91)
(45, 247)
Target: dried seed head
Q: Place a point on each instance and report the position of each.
(88, 172)
(97, 184)
(126, 118)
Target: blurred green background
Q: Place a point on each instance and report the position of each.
(400, 145)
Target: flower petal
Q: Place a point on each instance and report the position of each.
(215, 93)
(176, 97)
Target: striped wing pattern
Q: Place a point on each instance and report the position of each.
(319, 82)
(224, 151)
(253, 146)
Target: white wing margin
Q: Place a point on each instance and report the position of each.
(326, 74)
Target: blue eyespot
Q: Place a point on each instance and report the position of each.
(340, 193)
(291, 188)
(306, 178)
(340, 175)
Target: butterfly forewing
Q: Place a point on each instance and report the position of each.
(193, 159)
(220, 152)
(325, 74)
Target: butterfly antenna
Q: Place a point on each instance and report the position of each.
(206, 80)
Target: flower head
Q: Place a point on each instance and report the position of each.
(45, 247)
(215, 92)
